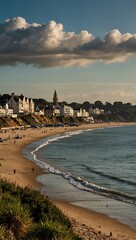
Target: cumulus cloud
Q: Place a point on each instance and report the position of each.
(48, 45)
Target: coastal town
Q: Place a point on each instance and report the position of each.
(17, 105)
(21, 107)
(25, 120)
(68, 120)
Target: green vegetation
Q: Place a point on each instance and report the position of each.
(26, 214)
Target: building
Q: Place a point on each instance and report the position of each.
(39, 112)
(5, 110)
(56, 112)
(21, 104)
(55, 99)
(31, 105)
(8, 111)
(2, 111)
(95, 111)
(66, 111)
(81, 113)
(51, 111)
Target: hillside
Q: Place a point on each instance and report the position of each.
(25, 120)
(32, 119)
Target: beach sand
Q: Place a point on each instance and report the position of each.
(15, 168)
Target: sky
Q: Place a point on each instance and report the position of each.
(83, 49)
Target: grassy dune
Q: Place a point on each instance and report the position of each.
(27, 214)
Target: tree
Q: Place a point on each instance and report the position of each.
(86, 105)
(75, 105)
(108, 107)
(118, 106)
(98, 104)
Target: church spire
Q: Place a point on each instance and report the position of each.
(55, 99)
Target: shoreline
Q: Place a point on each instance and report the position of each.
(16, 168)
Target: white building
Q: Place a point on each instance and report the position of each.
(51, 111)
(81, 113)
(66, 111)
(85, 114)
(95, 111)
(39, 113)
(2, 111)
(90, 120)
(31, 105)
(56, 112)
(21, 104)
(6, 111)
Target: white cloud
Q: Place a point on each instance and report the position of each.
(48, 45)
(14, 24)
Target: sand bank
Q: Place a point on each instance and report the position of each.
(14, 167)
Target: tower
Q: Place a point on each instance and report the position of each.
(55, 99)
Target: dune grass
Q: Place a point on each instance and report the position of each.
(26, 214)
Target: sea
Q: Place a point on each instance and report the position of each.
(94, 169)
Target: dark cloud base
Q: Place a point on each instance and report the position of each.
(48, 45)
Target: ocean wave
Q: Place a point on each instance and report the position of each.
(84, 185)
(115, 178)
(57, 137)
(77, 181)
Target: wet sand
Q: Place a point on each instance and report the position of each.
(15, 168)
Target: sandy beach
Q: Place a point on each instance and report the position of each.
(15, 168)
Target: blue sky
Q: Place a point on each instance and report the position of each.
(88, 66)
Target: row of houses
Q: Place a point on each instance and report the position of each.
(18, 105)
(64, 111)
